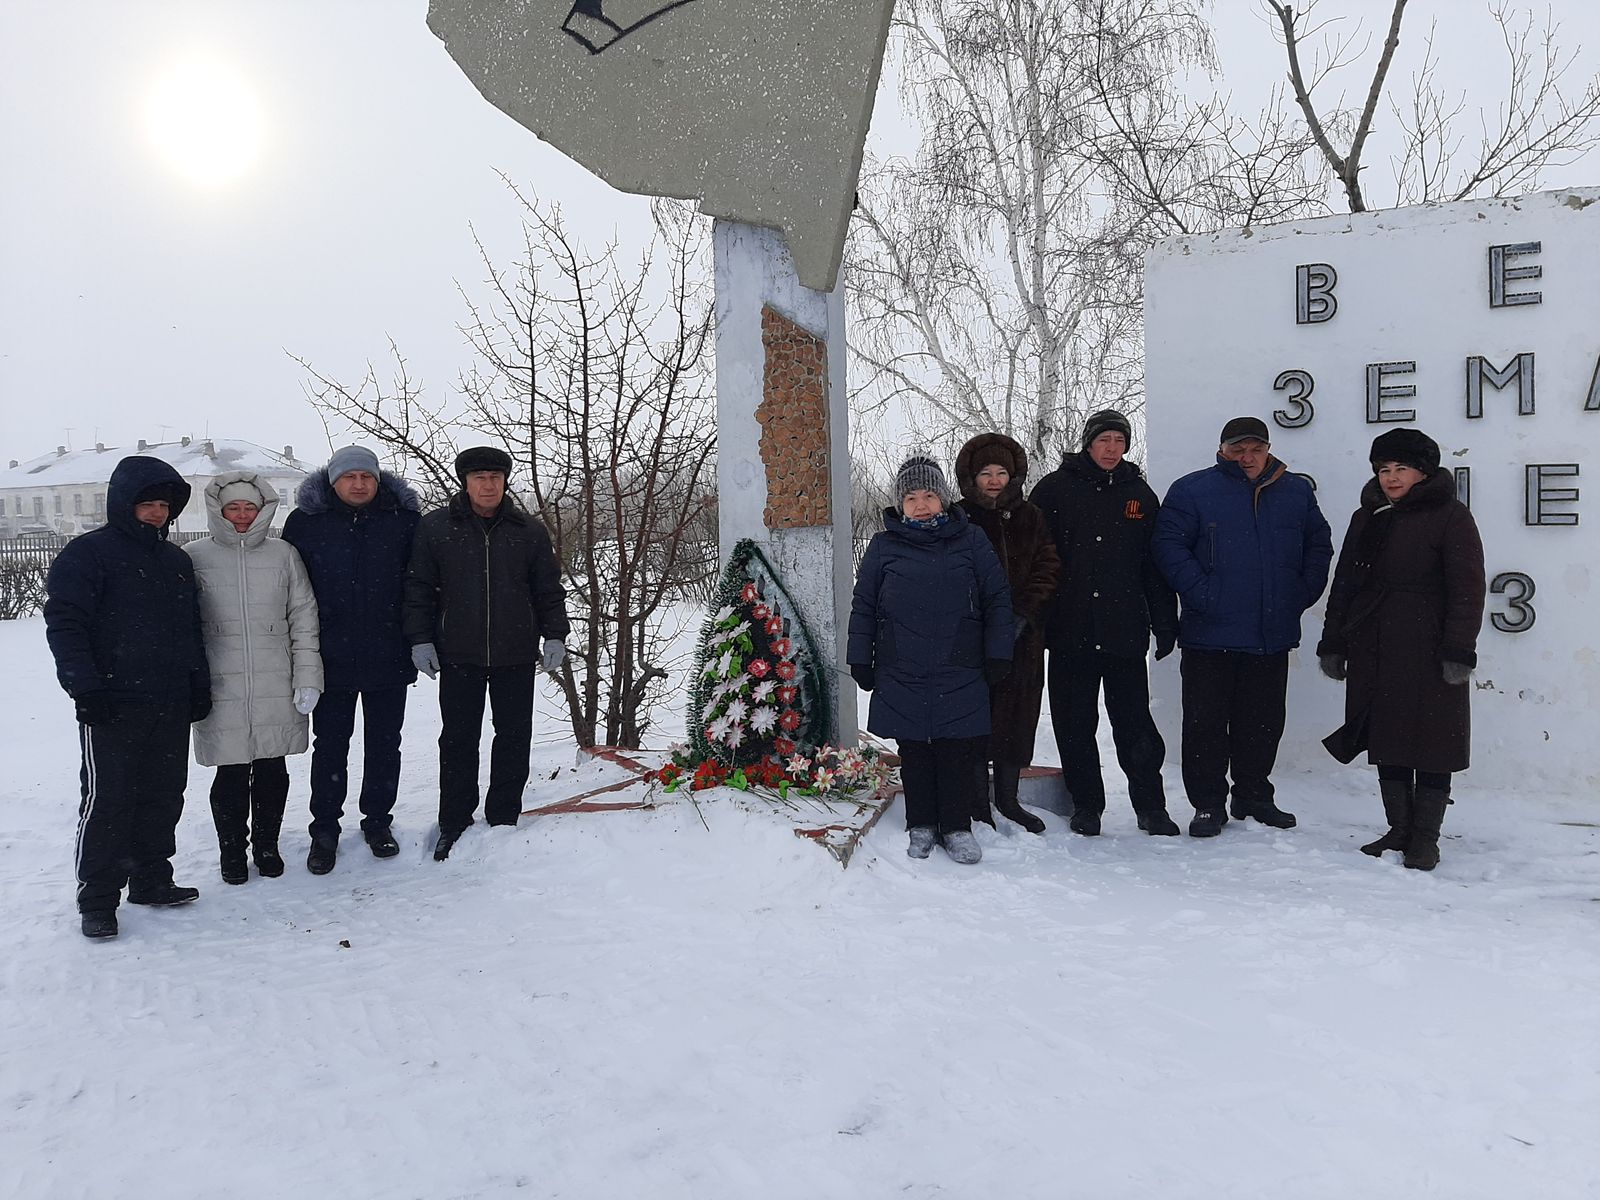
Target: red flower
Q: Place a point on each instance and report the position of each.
(783, 647)
(774, 626)
(761, 612)
(790, 721)
(759, 667)
(787, 694)
(669, 772)
(709, 774)
(783, 746)
(750, 593)
(785, 670)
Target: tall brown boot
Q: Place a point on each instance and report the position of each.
(1396, 795)
(1427, 815)
(1007, 777)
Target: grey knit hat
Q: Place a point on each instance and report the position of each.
(920, 473)
(352, 458)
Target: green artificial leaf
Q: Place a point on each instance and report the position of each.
(737, 780)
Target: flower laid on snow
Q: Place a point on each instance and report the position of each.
(851, 762)
(786, 694)
(709, 774)
(799, 765)
(782, 647)
(822, 780)
(785, 669)
(669, 774)
(789, 722)
(763, 719)
(759, 667)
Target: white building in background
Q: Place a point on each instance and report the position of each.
(65, 492)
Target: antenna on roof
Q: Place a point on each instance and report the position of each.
(164, 429)
(69, 430)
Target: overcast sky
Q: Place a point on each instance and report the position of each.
(151, 287)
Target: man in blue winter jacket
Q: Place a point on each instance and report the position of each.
(1246, 548)
(122, 617)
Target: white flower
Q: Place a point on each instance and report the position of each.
(722, 614)
(763, 719)
(717, 729)
(724, 664)
(763, 690)
(738, 710)
(823, 779)
(735, 735)
(798, 765)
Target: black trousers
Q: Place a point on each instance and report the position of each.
(461, 696)
(1411, 777)
(243, 790)
(1075, 682)
(333, 723)
(939, 779)
(1233, 714)
(134, 770)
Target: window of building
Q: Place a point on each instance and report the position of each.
(58, 504)
(99, 502)
(77, 504)
(2, 506)
(38, 506)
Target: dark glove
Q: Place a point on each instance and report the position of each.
(1456, 673)
(1332, 666)
(1165, 642)
(996, 669)
(199, 706)
(864, 675)
(94, 708)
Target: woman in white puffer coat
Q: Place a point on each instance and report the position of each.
(259, 617)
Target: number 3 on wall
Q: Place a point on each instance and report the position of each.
(1520, 615)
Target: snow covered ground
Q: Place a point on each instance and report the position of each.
(633, 1005)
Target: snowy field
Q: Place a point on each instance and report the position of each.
(633, 1005)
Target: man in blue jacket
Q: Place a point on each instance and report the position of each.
(1246, 548)
(353, 525)
(122, 617)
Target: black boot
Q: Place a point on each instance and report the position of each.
(230, 813)
(1158, 822)
(323, 854)
(1427, 815)
(1085, 821)
(446, 843)
(1264, 811)
(266, 820)
(1007, 777)
(980, 792)
(100, 923)
(235, 866)
(1396, 795)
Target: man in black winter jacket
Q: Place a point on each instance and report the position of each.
(1110, 600)
(482, 592)
(354, 525)
(122, 617)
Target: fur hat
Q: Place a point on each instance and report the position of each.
(1409, 447)
(482, 458)
(920, 473)
(352, 458)
(1106, 421)
(240, 489)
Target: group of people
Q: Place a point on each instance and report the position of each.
(958, 601)
(258, 642)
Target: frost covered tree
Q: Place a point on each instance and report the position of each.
(996, 276)
(1540, 120)
(596, 376)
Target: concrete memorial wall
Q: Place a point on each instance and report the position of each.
(1477, 322)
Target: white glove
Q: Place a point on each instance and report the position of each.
(425, 659)
(305, 699)
(555, 653)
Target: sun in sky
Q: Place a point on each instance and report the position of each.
(205, 120)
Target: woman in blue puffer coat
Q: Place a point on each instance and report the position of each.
(931, 628)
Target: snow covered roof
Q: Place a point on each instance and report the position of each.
(192, 457)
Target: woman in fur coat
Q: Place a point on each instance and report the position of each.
(1401, 633)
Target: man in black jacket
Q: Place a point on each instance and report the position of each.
(354, 526)
(123, 621)
(1110, 600)
(482, 591)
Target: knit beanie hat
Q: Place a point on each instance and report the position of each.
(920, 474)
(240, 489)
(482, 458)
(1409, 447)
(352, 458)
(1106, 421)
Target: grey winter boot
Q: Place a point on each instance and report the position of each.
(923, 840)
(1397, 807)
(962, 847)
(1427, 815)
(1007, 777)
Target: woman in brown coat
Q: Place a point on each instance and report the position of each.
(990, 470)
(1401, 632)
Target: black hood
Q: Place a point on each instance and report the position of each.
(131, 478)
(316, 495)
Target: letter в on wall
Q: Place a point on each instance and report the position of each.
(1314, 301)
(1378, 390)
(1536, 496)
(1480, 371)
(1500, 275)
(1299, 385)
